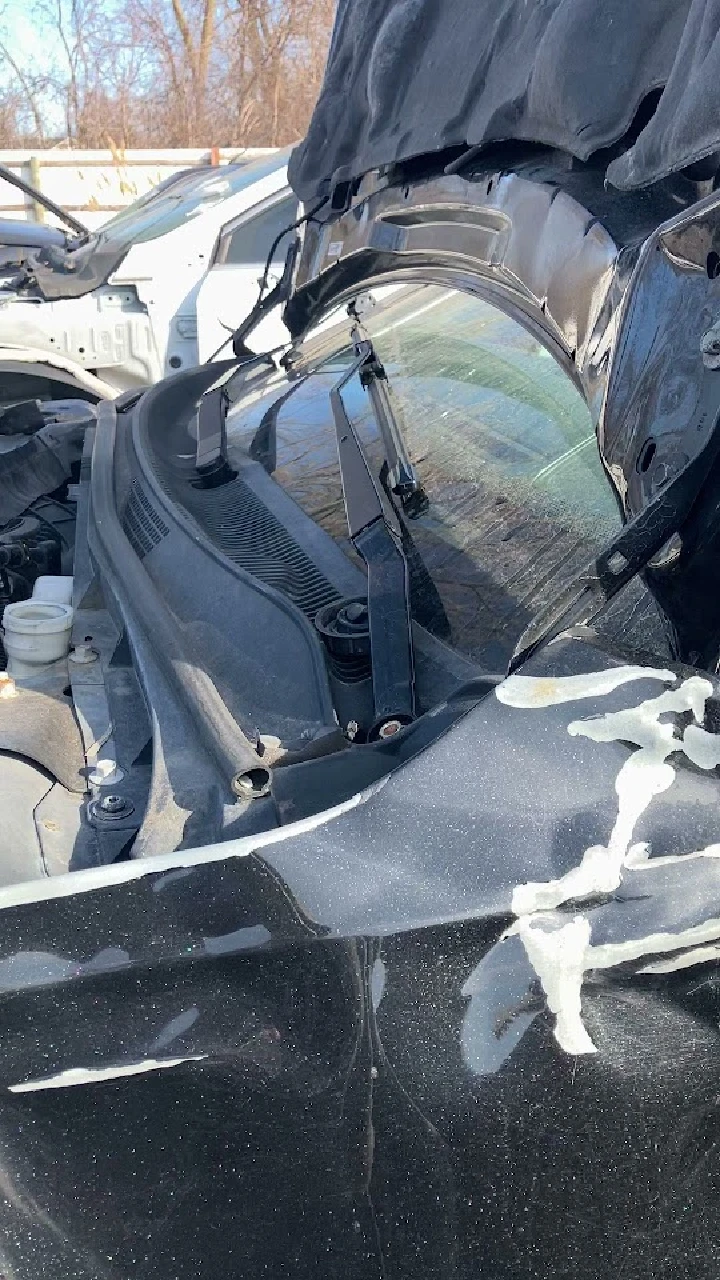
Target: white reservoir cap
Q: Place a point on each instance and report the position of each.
(53, 588)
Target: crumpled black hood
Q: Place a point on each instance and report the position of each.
(409, 77)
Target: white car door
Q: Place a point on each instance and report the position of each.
(230, 289)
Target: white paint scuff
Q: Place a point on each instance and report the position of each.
(644, 775)
(93, 1075)
(531, 692)
(639, 859)
(701, 747)
(556, 950)
(685, 960)
(123, 872)
(560, 950)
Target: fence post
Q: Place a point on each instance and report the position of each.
(38, 209)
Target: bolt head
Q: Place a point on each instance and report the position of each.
(83, 654)
(111, 804)
(356, 612)
(242, 785)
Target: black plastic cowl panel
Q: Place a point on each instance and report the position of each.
(256, 645)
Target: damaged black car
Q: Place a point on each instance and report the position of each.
(360, 726)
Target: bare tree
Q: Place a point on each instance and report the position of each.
(168, 72)
(31, 89)
(198, 48)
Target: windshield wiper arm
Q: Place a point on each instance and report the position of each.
(376, 537)
(401, 474)
(44, 200)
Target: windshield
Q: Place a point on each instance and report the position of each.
(162, 211)
(503, 446)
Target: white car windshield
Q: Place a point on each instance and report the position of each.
(158, 213)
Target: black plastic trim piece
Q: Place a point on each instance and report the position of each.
(137, 595)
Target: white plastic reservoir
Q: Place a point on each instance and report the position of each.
(36, 633)
(53, 588)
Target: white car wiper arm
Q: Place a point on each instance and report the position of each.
(45, 201)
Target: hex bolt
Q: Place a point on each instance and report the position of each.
(111, 804)
(710, 347)
(110, 808)
(389, 729)
(617, 562)
(83, 654)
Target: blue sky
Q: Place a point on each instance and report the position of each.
(21, 31)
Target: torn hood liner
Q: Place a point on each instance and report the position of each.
(433, 1030)
(407, 78)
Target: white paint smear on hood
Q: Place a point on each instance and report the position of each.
(558, 947)
(645, 774)
(531, 692)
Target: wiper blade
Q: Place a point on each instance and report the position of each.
(45, 201)
(626, 556)
(211, 459)
(375, 534)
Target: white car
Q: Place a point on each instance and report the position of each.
(158, 288)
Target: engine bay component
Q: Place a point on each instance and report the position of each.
(41, 464)
(29, 548)
(21, 419)
(36, 633)
(55, 589)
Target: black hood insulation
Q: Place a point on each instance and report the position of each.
(408, 78)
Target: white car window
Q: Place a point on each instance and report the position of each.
(248, 243)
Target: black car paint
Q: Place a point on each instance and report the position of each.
(370, 1083)
(323, 1050)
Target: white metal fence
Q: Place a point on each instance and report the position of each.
(95, 184)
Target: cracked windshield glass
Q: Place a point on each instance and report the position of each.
(505, 451)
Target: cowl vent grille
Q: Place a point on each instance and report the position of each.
(248, 533)
(142, 524)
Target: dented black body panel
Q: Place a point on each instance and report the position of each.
(464, 1022)
(331, 1052)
